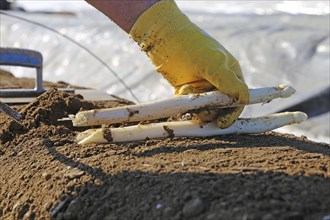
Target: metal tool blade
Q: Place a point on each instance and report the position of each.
(10, 112)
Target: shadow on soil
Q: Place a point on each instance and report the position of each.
(243, 141)
(140, 195)
(184, 195)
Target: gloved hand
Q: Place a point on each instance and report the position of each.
(189, 59)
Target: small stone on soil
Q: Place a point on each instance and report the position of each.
(46, 175)
(74, 173)
(193, 208)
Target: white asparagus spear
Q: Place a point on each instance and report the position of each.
(175, 105)
(188, 129)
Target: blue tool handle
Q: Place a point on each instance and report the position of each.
(20, 57)
(25, 58)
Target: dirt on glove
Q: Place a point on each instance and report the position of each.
(44, 174)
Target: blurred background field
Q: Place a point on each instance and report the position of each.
(276, 42)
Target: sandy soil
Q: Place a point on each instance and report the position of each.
(44, 174)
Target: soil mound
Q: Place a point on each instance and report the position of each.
(44, 174)
(45, 111)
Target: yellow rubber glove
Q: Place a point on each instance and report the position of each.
(189, 59)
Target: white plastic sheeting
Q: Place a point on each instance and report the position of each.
(276, 42)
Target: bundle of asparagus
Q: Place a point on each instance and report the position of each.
(181, 104)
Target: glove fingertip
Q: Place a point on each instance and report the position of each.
(225, 122)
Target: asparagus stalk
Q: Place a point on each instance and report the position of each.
(188, 129)
(174, 105)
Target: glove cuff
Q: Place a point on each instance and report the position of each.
(156, 26)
